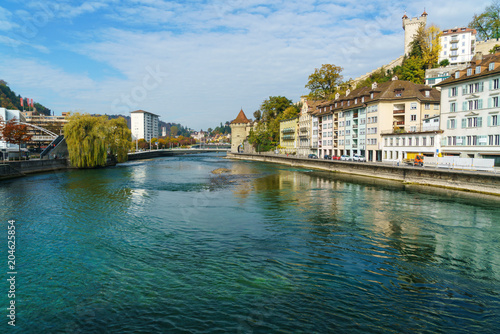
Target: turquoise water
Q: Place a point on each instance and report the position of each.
(165, 246)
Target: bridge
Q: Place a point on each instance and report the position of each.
(172, 152)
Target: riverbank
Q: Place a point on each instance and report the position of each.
(12, 169)
(480, 182)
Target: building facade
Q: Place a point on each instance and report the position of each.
(305, 138)
(471, 110)
(457, 45)
(288, 136)
(362, 116)
(144, 125)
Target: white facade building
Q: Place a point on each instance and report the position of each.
(471, 110)
(457, 45)
(144, 125)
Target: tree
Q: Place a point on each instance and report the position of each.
(174, 130)
(91, 139)
(15, 133)
(257, 115)
(413, 70)
(444, 62)
(487, 23)
(431, 46)
(494, 49)
(323, 82)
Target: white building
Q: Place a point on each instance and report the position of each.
(5, 116)
(457, 45)
(144, 125)
(305, 128)
(470, 110)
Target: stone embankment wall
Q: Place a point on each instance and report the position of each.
(18, 168)
(481, 182)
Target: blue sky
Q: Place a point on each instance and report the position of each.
(197, 62)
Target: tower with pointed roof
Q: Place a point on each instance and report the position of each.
(240, 130)
(410, 26)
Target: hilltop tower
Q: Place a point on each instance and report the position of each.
(410, 26)
(240, 130)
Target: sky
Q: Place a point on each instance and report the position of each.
(197, 62)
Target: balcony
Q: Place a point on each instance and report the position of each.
(354, 126)
(398, 111)
(354, 135)
(288, 137)
(354, 145)
(303, 129)
(399, 123)
(288, 130)
(355, 115)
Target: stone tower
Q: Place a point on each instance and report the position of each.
(410, 26)
(240, 129)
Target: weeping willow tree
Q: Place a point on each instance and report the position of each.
(90, 139)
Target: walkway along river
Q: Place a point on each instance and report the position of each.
(165, 246)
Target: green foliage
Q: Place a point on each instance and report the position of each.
(222, 129)
(494, 49)
(9, 100)
(90, 140)
(413, 70)
(174, 130)
(487, 23)
(444, 63)
(323, 82)
(267, 133)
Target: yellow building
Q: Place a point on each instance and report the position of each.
(288, 136)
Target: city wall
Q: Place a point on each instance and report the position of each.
(480, 182)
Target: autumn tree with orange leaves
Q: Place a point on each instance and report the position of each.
(14, 133)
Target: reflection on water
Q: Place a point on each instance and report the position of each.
(164, 245)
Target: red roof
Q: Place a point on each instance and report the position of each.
(242, 118)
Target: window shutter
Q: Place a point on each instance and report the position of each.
(449, 92)
(491, 84)
(479, 122)
(489, 102)
(489, 121)
(464, 122)
(448, 124)
(480, 104)
(481, 86)
(464, 90)
(464, 106)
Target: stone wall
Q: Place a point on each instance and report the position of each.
(481, 182)
(19, 168)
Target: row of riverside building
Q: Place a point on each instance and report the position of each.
(396, 120)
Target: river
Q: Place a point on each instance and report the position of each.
(165, 246)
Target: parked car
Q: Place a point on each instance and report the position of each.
(357, 157)
(312, 156)
(335, 157)
(327, 157)
(345, 158)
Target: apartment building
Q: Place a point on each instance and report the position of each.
(471, 108)
(288, 135)
(362, 116)
(305, 138)
(144, 125)
(457, 45)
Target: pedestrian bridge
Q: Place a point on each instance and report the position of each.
(172, 152)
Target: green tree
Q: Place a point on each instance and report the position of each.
(257, 115)
(487, 23)
(324, 81)
(413, 70)
(174, 130)
(91, 139)
(444, 63)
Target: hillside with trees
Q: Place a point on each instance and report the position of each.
(9, 100)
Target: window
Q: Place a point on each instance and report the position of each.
(427, 106)
(491, 66)
(417, 141)
(413, 128)
(432, 141)
(424, 141)
(436, 106)
(495, 83)
(453, 123)
(453, 107)
(494, 120)
(495, 101)
(413, 117)
(457, 75)
(409, 141)
(453, 91)
(469, 71)
(413, 106)
(426, 116)
(403, 142)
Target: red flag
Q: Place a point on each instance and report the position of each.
(22, 103)
(32, 103)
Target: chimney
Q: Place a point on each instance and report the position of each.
(479, 56)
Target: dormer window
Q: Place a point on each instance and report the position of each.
(342, 103)
(331, 107)
(427, 93)
(363, 99)
(398, 92)
(349, 102)
(335, 104)
(478, 69)
(457, 75)
(371, 95)
(469, 71)
(491, 67)
(355, 101)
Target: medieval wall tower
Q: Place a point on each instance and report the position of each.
(410, 26)
(240, 129)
